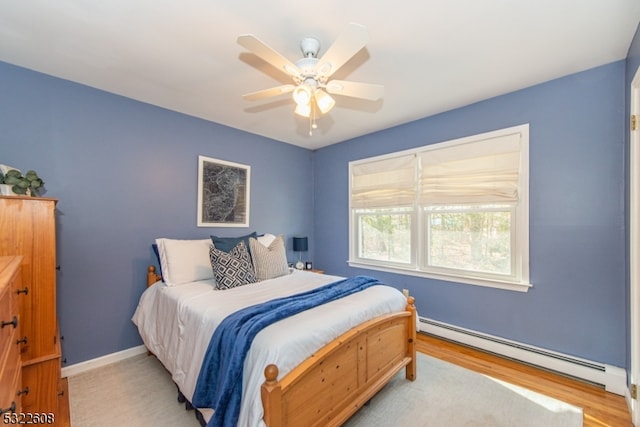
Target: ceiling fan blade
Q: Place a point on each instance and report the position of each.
(264, 51)
(266, 93)
(371, 92)
(348, 43)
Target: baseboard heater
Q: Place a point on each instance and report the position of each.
(612, 378)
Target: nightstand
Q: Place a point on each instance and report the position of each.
(315, 270)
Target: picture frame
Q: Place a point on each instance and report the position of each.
(308, 265)
(223, 193)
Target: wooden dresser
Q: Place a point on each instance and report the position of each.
(27, 229)
(10, 364)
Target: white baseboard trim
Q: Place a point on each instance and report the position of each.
(613, 378)
(78, 368)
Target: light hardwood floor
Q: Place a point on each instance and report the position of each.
(600, 408)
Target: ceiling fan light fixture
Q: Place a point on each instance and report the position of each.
(302, 95)
(312, 88)
(324, 101)
(303, 110)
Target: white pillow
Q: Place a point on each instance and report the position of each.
(266, 239)
(184, 261)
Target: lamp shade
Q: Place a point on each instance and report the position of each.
(302, 94)
(303, 110)
(324, 101)
(300, 244)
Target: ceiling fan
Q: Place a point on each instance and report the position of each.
(311, 85)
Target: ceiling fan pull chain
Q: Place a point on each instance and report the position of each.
(312, 118)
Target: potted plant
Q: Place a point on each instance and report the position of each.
(29, 184)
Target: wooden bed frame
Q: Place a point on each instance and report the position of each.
(336, 381)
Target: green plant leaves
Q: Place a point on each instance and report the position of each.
(21, 184)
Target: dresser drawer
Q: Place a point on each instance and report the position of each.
(10, 379)
(6, 316)
(42, 379)
(10, 363)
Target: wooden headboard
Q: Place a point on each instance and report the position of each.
(152, 276)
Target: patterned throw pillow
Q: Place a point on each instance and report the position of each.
(271, 261)
(233, 268)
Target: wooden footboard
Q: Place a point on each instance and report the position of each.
(330, 386)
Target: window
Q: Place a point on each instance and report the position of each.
(456, 210)
(470, 238)
(385, 235)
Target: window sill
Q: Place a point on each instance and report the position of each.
(510, 286)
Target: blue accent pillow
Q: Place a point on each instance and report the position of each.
(225, 244)
(155, 251)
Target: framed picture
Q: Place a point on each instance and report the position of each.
(223, 193)
(308, 265)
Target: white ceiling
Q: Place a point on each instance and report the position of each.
(430, 55)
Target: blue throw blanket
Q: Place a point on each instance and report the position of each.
(219, 384)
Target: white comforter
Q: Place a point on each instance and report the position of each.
(176, 324)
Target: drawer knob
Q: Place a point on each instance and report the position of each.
(22, 341)
(10, 409)
(13, 322)
(25, 391)
(23, 291)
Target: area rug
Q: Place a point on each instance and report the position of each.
(446, 395)
(138, 392)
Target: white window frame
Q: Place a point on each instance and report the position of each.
(518, 281)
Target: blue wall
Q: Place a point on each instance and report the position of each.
(577, 230)
(125, 173)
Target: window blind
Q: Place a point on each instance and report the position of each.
(384, 183)
(485, 171)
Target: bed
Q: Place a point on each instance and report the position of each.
(317, 367)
